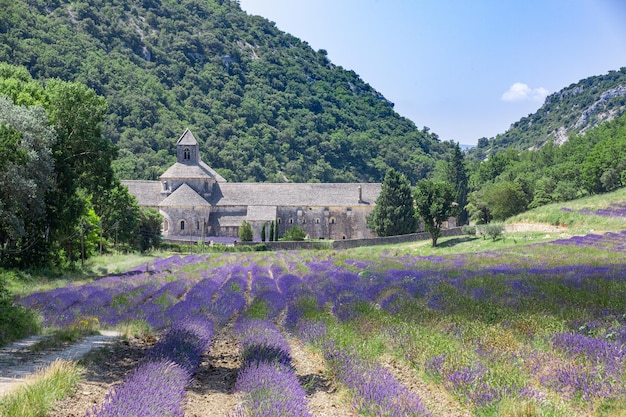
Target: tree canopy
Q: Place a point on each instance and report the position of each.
(394, 213)
(264, 105)
(434, 204)
(57, 179)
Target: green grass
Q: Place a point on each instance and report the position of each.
(35, 397)
(135, 328)
(577, 222)
(67, 335)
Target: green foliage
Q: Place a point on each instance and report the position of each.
(263, 232)
(434, 203)
(149, 234)
(16, 322)
(245, 232)
(469, 230)
(494, 230)
(294, 233)
(26, 178)
(504, 199)
(264, 104)
(453, 170)
(61, 161)
(36, 398)
(272, 233)
(394, 213)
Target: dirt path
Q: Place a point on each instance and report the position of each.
(325, 400)
(211, 391)
(17, 361)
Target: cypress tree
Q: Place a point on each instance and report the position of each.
(276, 232)
(394, 213)
(272, 231)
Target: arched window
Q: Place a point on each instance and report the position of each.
(317, 221)
(279, 221)
(290, 221)
(166, 225)
(332, 220)
(182, 225)
(186, 154)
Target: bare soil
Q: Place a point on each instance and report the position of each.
(211, 393)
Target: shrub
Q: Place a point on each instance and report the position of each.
(245, 232)
(16, 322)
(469, 230)
(494, 230)
(295, 233)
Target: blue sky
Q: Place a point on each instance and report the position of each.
(464, 68)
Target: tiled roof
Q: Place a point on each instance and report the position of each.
(184, 196)
(187, 138)
(182, 171)
(226, 221)
(148, 193)
(264, 196)
(294, 194)
(261, 213)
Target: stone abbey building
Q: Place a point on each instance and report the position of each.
(197, 202)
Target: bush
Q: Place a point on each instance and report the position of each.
(494, 230)
(469, 230)
(16, 322)
(245, 232)
(295, 233)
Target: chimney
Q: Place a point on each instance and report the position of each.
(360, 194)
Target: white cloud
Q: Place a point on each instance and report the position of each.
(522, 92)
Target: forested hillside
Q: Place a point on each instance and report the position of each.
(264, 105)
(573, 110)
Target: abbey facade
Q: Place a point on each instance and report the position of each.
(196, 202)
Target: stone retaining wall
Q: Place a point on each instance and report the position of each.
(353, 243)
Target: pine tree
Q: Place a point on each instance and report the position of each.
(394, 213)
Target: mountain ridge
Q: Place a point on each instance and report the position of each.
(574, 109)
(264, 105)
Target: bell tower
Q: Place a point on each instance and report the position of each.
(187, 151)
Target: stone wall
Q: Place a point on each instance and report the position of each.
(333, 223)
(353, 243)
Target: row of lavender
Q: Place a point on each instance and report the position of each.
(160, 296)
(615, 210)
(156, 388)
(267, 378)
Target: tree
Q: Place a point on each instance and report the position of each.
(434, 202)
(477, 209)
(26, 173)
(149, 234)
(505, 199)
(245, 232)
(453, 171)
(394, 213)
(120, 215)
(80, 156)
(294, 233)
(272, 231)
(263, 233)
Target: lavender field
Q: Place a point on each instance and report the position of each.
(534, 330)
